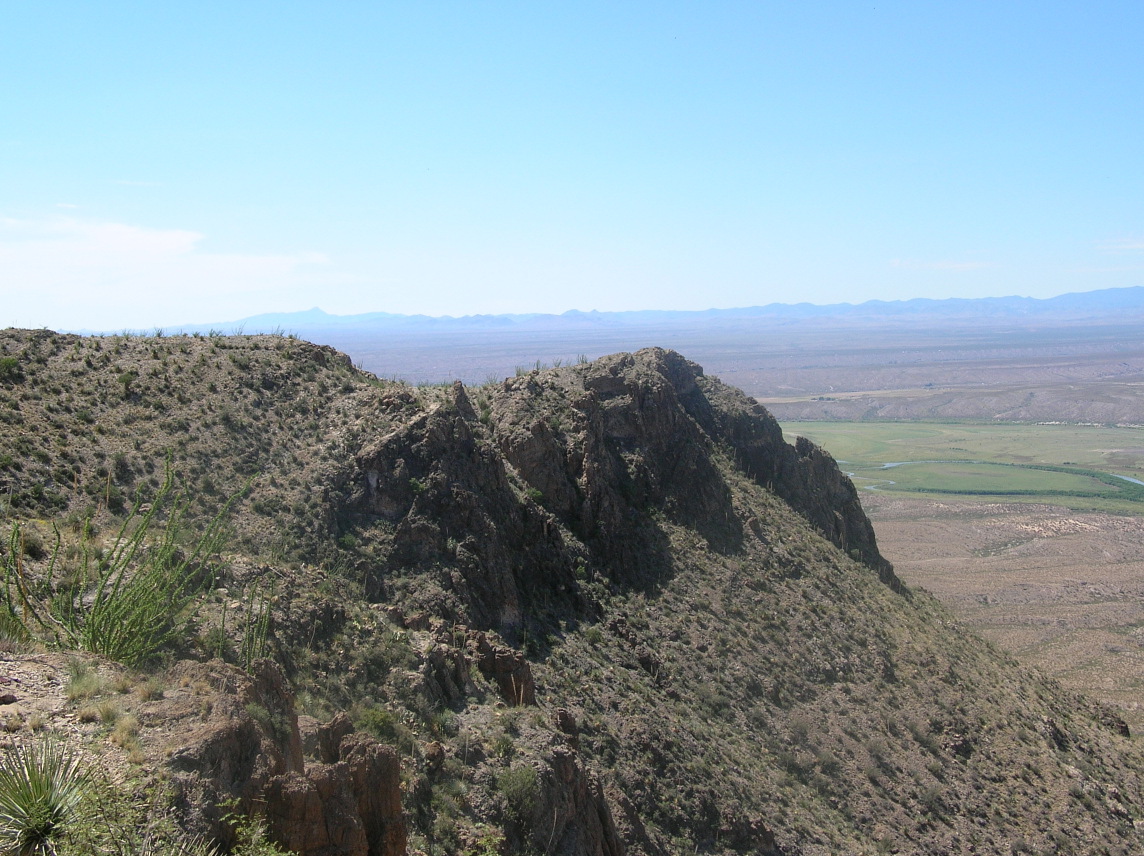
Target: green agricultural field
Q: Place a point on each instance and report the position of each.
(1075, 466)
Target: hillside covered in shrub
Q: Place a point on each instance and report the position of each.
(594, 609)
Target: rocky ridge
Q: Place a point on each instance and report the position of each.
(600, 608)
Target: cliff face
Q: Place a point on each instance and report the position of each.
(595, 609)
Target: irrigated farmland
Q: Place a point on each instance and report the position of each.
(1054, 574)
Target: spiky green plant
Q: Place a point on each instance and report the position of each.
(130, 819)
(256, 630)
(41, 788)
(123, 603)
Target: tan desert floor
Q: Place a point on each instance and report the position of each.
(1062, 591)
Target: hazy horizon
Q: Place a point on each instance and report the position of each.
(1106, 304)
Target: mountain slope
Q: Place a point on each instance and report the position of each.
(602, 608)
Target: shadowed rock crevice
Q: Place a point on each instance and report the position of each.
(457, 514)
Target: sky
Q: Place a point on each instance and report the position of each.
(167, 163)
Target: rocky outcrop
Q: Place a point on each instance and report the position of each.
(804, 475)
(241, 734)
(569, 468)
(642, 433)
(817, 489)
(457, 649)
(571, 816)
(454, 506)
(375, 779)
(241, 749)
(508, 668)
(351, 807)
(607, 445)
(315, 813)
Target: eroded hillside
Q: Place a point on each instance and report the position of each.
(600, 608)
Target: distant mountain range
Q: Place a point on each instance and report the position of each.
(1103, 304)
(1112, 304)
(749, 346)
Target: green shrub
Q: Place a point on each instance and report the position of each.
(10, 370)
(272, 722)
(216, 643)
(253, 841)
(503, 745)
(41, 788)
(520, 790)
(32, 544)
(386, 726)
(489, 841)
(128, 379)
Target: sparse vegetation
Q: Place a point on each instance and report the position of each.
(10, 370)
(256, 626)
(83, 681)
(519, 788)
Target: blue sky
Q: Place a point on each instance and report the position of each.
(163, 163)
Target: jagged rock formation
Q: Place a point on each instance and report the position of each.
(349, 805)
(240, 749)
(596, 609)
(597, 447)
(223, 751)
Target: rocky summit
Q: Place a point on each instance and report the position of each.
(600, 608)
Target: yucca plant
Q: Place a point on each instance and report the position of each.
(41, 788)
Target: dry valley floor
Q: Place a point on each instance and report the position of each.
(1060, 589)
